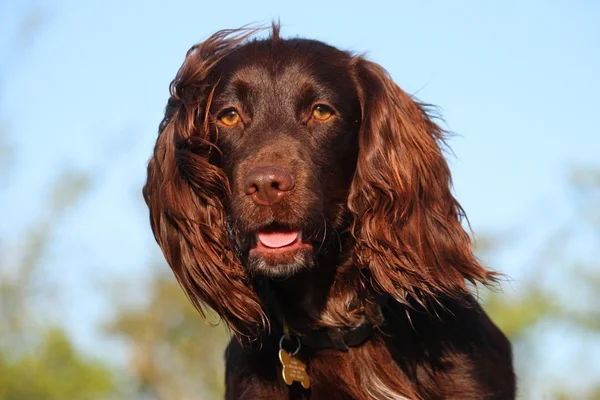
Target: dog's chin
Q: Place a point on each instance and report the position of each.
(280, 264)
(277, 251)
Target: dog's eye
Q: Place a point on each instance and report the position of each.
(229, 117)
(322, 112)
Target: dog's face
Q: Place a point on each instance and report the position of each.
(294, 153)
(287, 128)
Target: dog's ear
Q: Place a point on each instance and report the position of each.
(186, 190)
(407, 224)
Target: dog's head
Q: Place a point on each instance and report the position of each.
(279, 155)
(286, 117)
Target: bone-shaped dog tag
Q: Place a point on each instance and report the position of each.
(293, 369)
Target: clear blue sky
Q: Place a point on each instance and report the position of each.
(517, 81)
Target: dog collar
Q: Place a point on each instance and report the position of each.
(341, 338)
(338, 338)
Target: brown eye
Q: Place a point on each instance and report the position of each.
(230, 117)
(322, 112)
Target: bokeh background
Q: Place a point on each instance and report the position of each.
(88, 308)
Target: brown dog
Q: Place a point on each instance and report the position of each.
(294, 187)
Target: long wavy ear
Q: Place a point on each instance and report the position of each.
(186, 192)
(406, 221)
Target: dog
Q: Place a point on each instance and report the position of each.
(303, 196)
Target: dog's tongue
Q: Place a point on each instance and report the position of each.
(277, 238)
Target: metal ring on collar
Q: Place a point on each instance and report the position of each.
(295, 351)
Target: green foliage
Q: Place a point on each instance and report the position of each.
(36, 361)
(518, 314)
(174, 354)
(54, 371)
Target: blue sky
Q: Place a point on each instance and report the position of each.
(517, 82)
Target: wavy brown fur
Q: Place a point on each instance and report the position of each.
(187, 195)
(373, 199)
(407, 223)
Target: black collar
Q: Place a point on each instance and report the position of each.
(324, 338)
(343, 338)
(338, 338)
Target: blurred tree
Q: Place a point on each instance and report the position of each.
(54, 370)
(538, 304)
(173, 353)
(37, 359)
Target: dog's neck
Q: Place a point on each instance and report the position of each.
(303, 297)
(322, 296)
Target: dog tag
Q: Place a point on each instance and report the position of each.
(293, 369)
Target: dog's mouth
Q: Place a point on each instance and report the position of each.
(278, 239)
(276, 249)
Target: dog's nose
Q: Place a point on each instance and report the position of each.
(266, 185)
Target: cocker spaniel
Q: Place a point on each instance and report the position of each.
(301, 194)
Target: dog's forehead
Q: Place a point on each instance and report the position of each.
(287, 65)
(259, 75)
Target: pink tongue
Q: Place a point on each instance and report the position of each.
(276, 239)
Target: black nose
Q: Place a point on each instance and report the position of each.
(266, 185)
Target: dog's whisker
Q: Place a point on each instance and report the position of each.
(324, 232)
